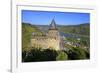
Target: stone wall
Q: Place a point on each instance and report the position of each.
(44, 43)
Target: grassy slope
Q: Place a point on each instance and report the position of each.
(27, 30)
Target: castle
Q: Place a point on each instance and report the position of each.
(51, 40)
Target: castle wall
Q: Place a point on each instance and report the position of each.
(53, 43)
(39, 43)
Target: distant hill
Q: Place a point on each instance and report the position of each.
(83, 29)
(27, 30)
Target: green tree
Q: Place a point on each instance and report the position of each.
(77, 54)
(62, 56)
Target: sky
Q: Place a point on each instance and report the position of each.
(61, 18)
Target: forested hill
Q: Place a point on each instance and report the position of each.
(83, 29)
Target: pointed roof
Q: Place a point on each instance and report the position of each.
(53, 25)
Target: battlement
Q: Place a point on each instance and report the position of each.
(38, 37)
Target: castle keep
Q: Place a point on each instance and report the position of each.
(51, 40)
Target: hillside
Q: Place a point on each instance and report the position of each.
(27, 30)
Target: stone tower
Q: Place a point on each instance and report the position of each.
(54, 36)
(53, 31)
